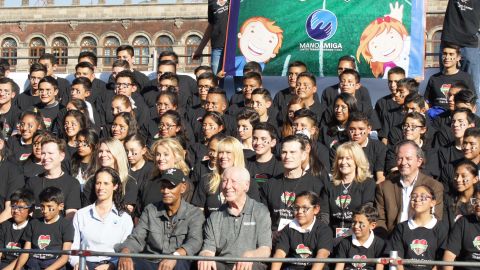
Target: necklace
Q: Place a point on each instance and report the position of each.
(345, 188)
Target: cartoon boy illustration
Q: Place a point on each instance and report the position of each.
(259, 40)
(385, 43)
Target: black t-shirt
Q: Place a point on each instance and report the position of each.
(419, 243)
(69, 186)
(304, 245)
(30, 168)
(63, 90)
(384, 105)
(464, 240)
(339, 201)
(461, 23)
(262, 171)
(439, 84)
(143, 174)
(346, 249)
(8, 120)
(218, 19)
(19, 151)
(449, 153)
(11, 238)
(201, 168)
(278, 194)
(11, 179)
(210, 202)
(25, 100)
(49, 113)
(48, 236)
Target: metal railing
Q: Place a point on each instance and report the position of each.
(393, 260)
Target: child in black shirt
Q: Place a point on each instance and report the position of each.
(464, 240)
(305, 236)
(51, 232)
(11, 231)
(48, 105)
(421, 237)
(20, 146)
(363, 243)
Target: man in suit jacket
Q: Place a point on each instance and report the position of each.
(392, 197)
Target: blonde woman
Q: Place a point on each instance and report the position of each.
(351, 187)
(111, 153)
(168, 154)
(208, 195)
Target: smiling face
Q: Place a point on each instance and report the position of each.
(408, 163)
(257, 43)
(292, 155)
(164, 104)
(262, 142)
(105, 157)
(304, 211)
(421, 200)
(164, 158)
(167, 127)
(413, 129)
(361, 226)
(6, 93)
(460, 124)
(104, 187)
(471, 147)
(71, 126)
(386, 46)
(20, 211)
(119, 128)
(52, 157)
(28, 126)
(341, 111)
(37, 147)
(225, 158)
(450, 57)
(346, 164)
(233, 188)
(464, 179)
(305, 88)
(48, 93)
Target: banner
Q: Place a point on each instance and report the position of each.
(379, 34)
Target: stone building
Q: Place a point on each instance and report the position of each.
(155, 25)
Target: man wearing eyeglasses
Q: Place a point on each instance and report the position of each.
(393, 195)
(240, 227)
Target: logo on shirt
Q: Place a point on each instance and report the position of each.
(47, 122)
(359, 265)
(476, 242)
(303, 251)
(343, 201)
(288, 198)
(444, 88)
(419, 246)
(25, 156)
(261, 177)
(13, 245)
(43, 241)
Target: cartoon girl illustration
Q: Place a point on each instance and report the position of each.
(259, 40)
(385, 43)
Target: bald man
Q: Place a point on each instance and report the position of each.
(240, 228)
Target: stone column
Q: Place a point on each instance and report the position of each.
(25, 3)
(22, 51)
(76, 2)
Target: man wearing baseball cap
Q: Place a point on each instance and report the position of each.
(171, 226)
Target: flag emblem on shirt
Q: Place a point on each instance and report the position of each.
(476, 242)
(419, 246)
(303, 251)
(13, 245)
(47, 121)
(343, 201)
(359, 265)
(43, 241)
(25, 156)
(288, 198)
(445, 88)
(261, 177)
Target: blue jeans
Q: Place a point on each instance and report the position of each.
(471, 64)
(216, 59)
(144, 264)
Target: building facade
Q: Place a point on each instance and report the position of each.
(150, 27)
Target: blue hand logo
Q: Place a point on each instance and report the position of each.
(321, 25)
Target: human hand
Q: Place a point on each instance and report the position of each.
(167, 264)
(125, 263)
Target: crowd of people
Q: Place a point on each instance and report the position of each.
(171, 166)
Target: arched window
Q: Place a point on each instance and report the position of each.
(164, 43)
(109, 47)
(140, 47)
(37, 48)
(60, 50)
(436, 40)
(88, 44)
(191, 45)
(9, 49)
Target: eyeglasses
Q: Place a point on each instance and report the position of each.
(298, 209)
(474, 201)
(411, 127)
(166, 126)
(422, 197)
(123, 85)
(19, 208)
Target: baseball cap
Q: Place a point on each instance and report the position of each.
(174, 176)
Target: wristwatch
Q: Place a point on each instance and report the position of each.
(176, 253)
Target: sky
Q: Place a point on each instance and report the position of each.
(17, 3)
